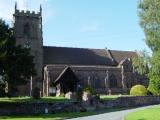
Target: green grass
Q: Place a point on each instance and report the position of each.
(50, 99)
(112, 97)
(146, 114)
(31, 100)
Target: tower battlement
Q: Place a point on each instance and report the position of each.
(27, 13)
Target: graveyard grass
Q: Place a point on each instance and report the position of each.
(146, 114)
(50, 99)
(31, 100)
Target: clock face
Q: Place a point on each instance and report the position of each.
(27, 44)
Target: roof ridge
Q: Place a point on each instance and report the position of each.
(124, 51)
(109, 54)
(73, 47)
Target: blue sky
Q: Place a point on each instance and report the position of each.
(85, 23)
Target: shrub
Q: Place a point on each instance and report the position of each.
(36, 93)
(138, 90)
(89, 89)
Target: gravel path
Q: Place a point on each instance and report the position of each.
(119, 115)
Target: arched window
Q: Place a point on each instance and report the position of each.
(113, 81)
(26, 30)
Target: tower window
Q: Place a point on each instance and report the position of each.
(26, 30)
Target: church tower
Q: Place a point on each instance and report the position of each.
(28, 33)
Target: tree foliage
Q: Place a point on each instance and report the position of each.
(141, 63)
(149, 12)
(16, 63)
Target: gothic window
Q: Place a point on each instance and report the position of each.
(96, 83)
(113, 81)
(26, 30)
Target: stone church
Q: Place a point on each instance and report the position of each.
(64, 68)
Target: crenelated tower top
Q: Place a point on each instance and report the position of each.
(28, 13)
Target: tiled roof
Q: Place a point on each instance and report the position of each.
(76, 56)
(121, 55)
(84, 56)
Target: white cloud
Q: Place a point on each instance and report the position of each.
(7, 8)
(21, 4)
(89, 27)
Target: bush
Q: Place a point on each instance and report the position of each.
(89, 89)
(36, 93)
(138, 90)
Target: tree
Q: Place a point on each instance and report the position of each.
(141, 63)
(149, 13)
(16, 63)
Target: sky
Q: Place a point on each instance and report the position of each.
(111, 24)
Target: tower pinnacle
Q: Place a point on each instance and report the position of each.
(40, 9)
(15, 6)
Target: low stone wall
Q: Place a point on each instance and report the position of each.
(42, 108)
(132, 101)
(38, 108)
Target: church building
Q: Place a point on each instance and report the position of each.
(107, 71)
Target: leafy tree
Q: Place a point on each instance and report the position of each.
(141, 63)
(154, 74)
(149, 12)
(16, 63)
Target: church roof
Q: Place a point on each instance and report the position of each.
(83, 56)
(121, 55)
(66, 73)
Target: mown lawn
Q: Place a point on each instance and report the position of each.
(112, 97)
(50, 99)
(146, 114)
(109, 97)
(31, 100)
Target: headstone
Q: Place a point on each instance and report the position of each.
(86, 96)
(46, 111)
(70, 95)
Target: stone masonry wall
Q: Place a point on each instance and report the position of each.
(40, 108)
